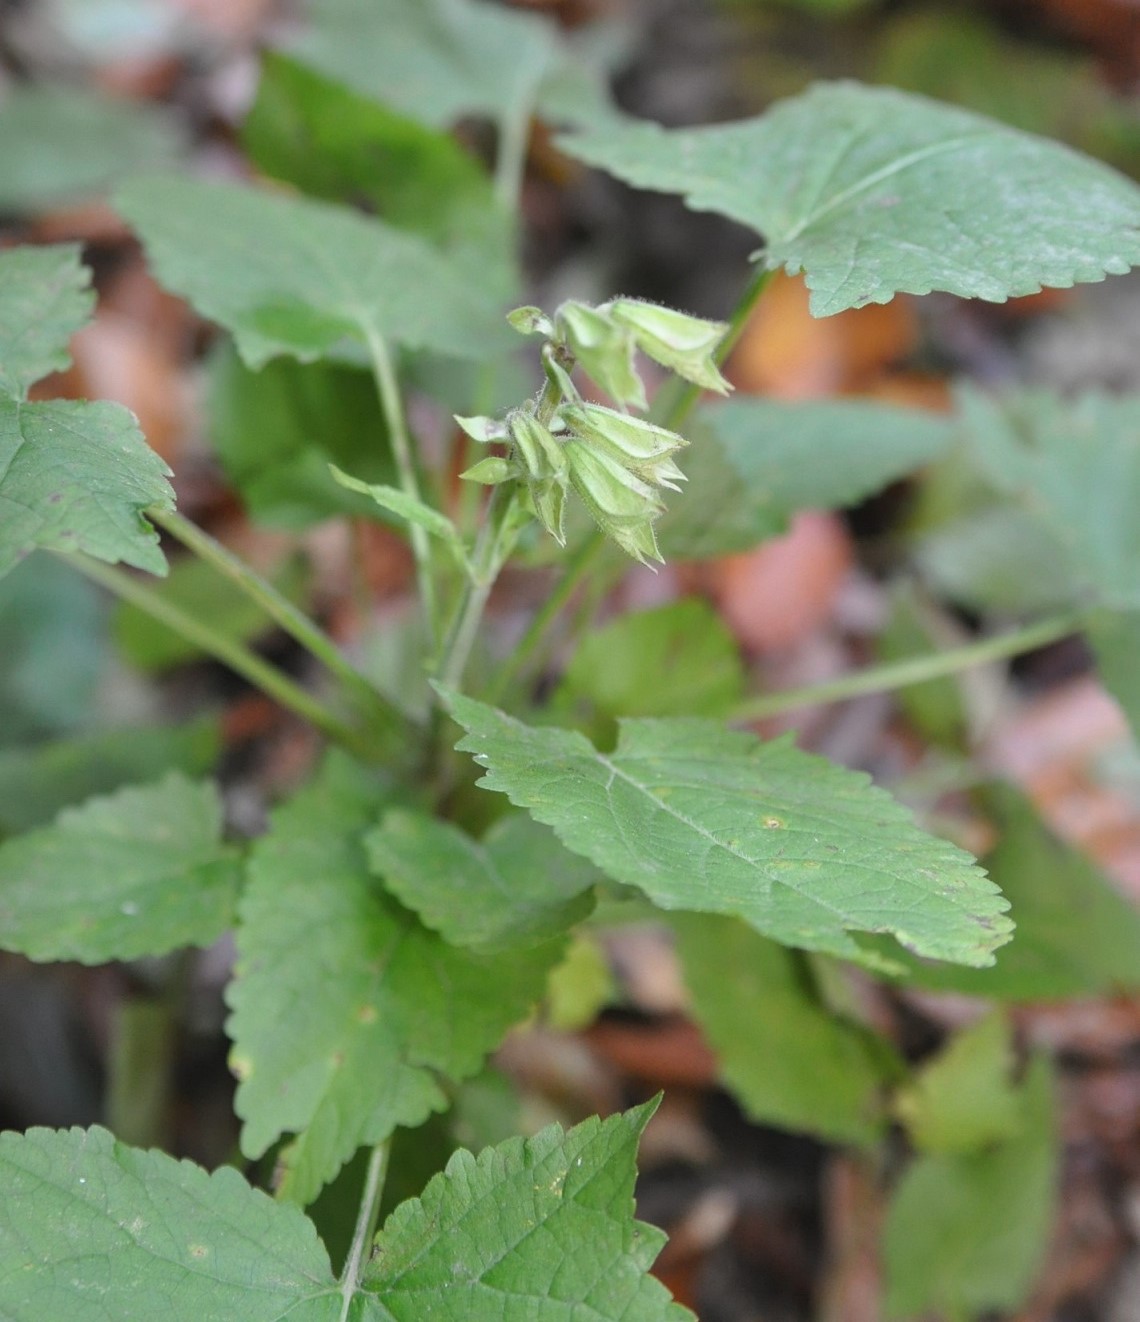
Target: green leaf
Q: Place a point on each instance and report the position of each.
(963, 1099)
(138, 872)
(35, 783)
(61, 145)
(788, 1060)
(1076, 466)
(91, 1229)
(197, 589)
(77, 477)
(872, 192)
(675, 660)
(823, 454)
(277, 430)
(45, 297)
(517, 886)
(1075, 935)
(935, 708)
(540, 1229)
(714, 821)
(347, 1012)
(287, 275)
(580, 987)
(437, 60)
(1115, 639)
(332, 143)
(55, 653)
(73, 476)
(409, 509)
(966, 1234)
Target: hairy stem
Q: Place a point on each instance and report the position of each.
(282, 611)
(236, 655)
(913, 670)
(389, 390)
(366, 1219)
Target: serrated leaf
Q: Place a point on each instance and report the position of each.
(77, 477)
(1076, 935)
(966, 1234)
(61, 145)
(516, 886)
(37, 782)
(964, 1099)
(823, 454)
(675, 660)
(45, 297)
(541, 1227)
(715, 821)
(1076, 466)
(872, 192)
(91, 1229)
(437, 60)
(289, 275)
(786, 1058)
(346, 1010)
(276, 431)
(138, 872)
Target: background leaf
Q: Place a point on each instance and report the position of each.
(964, 1098)
(1115, 639)
(45, 297)
(288, 275)
(346, 1010)
(546, 1223)
(872, 192)
(90, 1228)
(713, 821)
(965, 1234)
(138, 872)
(1075, 934)
(516, 886)
(62, 145)
(436, 61)
(788, 1060)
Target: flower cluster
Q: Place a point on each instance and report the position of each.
(619, 464)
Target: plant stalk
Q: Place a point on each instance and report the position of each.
(912, 670)
(389, 391)
(365, 1229)
(238, 657)
(282, 611)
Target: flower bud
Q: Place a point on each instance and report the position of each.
(604, 349)
(531, 321)
(490, 471)
(549, 500)
(684, 344)
(620, 502)
(539, 453)
(483, 430)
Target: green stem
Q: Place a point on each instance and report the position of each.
(239, 658)
(389, 391)
(913, 670)
(495, 543)
(366, 1219)
(510, 159)
(282, 611)
(576, 570)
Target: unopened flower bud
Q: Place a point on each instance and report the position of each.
(605, 350)
(540, 454)
(531, 321)
(630, 439)
(490, 471)
(621, 503)
(483, 430)
(549, 500)
(684, 344)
